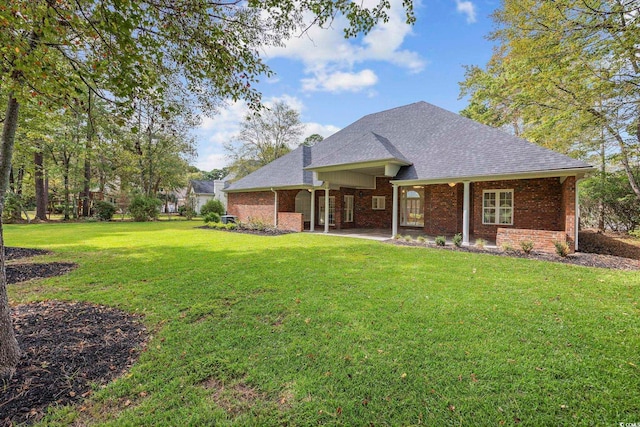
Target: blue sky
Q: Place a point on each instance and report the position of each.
(333, 82)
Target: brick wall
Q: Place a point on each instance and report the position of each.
(542, 239)
(441, 208)
(290, 221)
(537, 204)
(252, 206)
(287, 200)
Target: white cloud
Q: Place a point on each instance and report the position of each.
(325, 52)
(467, 8)
(214, 132)
(212, 161)
(340, 81)
(324, 130)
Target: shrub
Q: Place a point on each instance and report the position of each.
(211, 217)
(421, 239)
(440, 240)
(527, 246)
(457, 240)
(506, 247)
(212, 205)
(480, 243)
(104, 210)
(408, 238)
(562, 248)
(635, 233)
(398, 236)
(12, 207)
(143, 208)
(256, 225)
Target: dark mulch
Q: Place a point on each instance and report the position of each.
(66, 348)
(11, 253)
(578, 258)
(610, 243)
(22, 272)
(265, 232)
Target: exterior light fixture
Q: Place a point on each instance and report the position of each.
(452, 184)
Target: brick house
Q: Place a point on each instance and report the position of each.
(419, 167)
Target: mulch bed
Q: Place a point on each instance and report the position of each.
(265, 232)
(22, 272)
(67, 347)
(11, 253)
(578, 258)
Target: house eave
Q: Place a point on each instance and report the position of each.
(357, 165)
(578, 172)
(269, 188)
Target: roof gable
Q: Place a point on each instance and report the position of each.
(368, 147)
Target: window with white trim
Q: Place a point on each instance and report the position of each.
(378, 203)
(348, 208)
(497, 207)
(332, 210)
(412, 207)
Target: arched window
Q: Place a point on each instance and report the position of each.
(303, 204)
(412, 207)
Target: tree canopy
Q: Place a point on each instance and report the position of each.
(565, 74)
(264, 136)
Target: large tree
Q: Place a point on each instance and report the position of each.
(264, 136)
(56, 50)
(565, 74)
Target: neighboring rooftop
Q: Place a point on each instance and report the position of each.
(202, 186)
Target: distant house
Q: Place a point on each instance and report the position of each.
(201, 192)
(423, 168)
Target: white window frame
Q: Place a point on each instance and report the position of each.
(332, 210)
(378, 203)
(405, 212)
(349, 201)
(497, 209)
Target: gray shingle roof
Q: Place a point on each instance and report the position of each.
(202, 187)
(286, 171)
(437, 143)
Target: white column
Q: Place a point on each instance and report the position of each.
(394, 214)
(326, 208)
(275, 208)
(465, 214)
(312, 226)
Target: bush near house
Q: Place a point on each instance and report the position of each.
(144, 208)
(211, 217)
(213, 205)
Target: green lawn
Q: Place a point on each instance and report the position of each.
(306, 329)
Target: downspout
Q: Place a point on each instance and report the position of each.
(275, 208)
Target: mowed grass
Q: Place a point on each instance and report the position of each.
(306, 329)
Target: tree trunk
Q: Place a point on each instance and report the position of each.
(603, 178)
(87, 163)
(41, 194)
(9, 349)
(65, 175)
